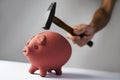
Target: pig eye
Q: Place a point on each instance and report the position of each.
(35, 47)
(27, 43)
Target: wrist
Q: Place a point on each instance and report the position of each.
(92, 26)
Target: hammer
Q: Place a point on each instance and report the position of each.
(49, 18)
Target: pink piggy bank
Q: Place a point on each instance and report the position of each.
(47, 51)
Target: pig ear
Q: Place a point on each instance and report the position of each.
(42, 40)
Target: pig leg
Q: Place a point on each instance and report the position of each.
(43, 72)
(58, 71)
(32, 69)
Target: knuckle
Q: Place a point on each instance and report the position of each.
(74, 39)
(80, 45)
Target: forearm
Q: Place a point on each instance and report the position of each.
(102, 15)
(100, 19)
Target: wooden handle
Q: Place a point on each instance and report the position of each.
(69, 29)
(61, 24)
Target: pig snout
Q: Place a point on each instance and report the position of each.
(26, 51)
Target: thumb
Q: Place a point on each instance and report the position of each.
(78, 32)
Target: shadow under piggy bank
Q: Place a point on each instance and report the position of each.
(72, 76)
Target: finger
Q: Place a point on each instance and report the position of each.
(79, 29)
(76, 39)
(86, 39)
(83, 41)
(73, 38)
(78, 32)
(68, 36)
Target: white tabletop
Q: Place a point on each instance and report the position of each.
(19, 71)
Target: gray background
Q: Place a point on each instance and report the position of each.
(20, 19)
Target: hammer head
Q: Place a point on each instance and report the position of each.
(49, 16)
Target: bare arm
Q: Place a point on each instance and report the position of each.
(99, 21)
(102, 15)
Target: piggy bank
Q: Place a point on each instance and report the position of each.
(47, 51)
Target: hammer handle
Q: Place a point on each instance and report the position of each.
(64, 26)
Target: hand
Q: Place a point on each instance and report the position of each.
(87, 30)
